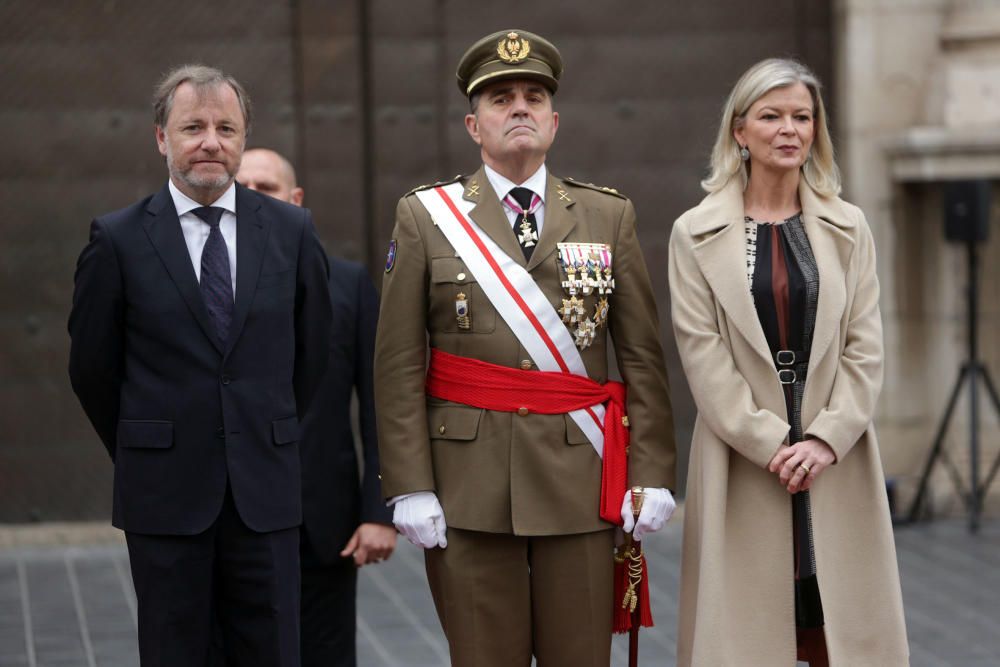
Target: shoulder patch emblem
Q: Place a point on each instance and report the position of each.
(390, 260)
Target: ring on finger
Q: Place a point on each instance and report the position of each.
(804, 467)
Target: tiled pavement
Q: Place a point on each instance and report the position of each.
(68, 606)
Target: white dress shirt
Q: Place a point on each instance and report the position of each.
(196, 230)
(536, 183)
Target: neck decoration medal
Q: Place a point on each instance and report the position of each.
(528, 236)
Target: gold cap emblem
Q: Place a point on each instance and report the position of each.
(512, 49)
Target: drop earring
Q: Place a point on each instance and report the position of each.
(744, 153)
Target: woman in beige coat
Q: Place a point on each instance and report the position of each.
(788, 546)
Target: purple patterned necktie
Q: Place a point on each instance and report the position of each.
(216, 280)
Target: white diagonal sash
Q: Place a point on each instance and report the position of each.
(515, 295)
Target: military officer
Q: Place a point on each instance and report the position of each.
(502, 441)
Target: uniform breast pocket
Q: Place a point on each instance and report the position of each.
(458, 303)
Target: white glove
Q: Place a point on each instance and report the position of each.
(419, 517)
(657, 507)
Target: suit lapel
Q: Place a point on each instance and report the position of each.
(559, 221)
(251, 238)
(164, 231)
(489, 215)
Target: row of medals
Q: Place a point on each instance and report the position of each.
(587, 267)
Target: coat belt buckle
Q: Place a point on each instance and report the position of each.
(786, 376)
(785, 358)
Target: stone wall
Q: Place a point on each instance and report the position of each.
(361, 95)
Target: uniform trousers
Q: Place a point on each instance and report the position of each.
(502, 598)
(228, 595)
(329, 602)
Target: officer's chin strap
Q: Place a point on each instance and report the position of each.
(631, 596)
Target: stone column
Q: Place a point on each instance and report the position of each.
(919, 92)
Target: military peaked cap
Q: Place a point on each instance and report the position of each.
(509, 54)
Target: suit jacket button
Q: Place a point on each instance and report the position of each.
(522, 411)
(441, 429)
(526, 365)
(226, 379)
(220, 432)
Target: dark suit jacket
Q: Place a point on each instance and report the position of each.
(182, 413)
(334, 502)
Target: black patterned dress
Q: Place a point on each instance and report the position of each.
(784, 282)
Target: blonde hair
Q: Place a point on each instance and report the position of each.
(820, 169)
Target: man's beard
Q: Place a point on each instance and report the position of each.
(198, 181)
(203, 182)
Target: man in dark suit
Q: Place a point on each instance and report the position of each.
(200, 332)
(346, 523)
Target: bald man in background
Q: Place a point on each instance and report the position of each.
(345, 522)
(269, 172)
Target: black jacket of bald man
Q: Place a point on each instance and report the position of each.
(335, 500)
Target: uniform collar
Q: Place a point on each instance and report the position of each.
(503, 185)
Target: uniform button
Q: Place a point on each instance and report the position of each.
(220, 432)
(526, 365)
(522, 411)
(441, 429)
(226, 379)
(460, 276)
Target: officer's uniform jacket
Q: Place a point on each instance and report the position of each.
(506, 472)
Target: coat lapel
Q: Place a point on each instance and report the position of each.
(825, 222)
(251, 238)
(722, 259)
(722, 249)
(164, 231)
(559, 221)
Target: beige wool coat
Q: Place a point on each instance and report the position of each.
(737, 590)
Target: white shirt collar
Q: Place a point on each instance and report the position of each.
(503, 185)
(185, 204)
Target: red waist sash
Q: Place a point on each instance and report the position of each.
(484, 385)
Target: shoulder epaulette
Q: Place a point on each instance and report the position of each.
(598, 188)
(457, 177)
